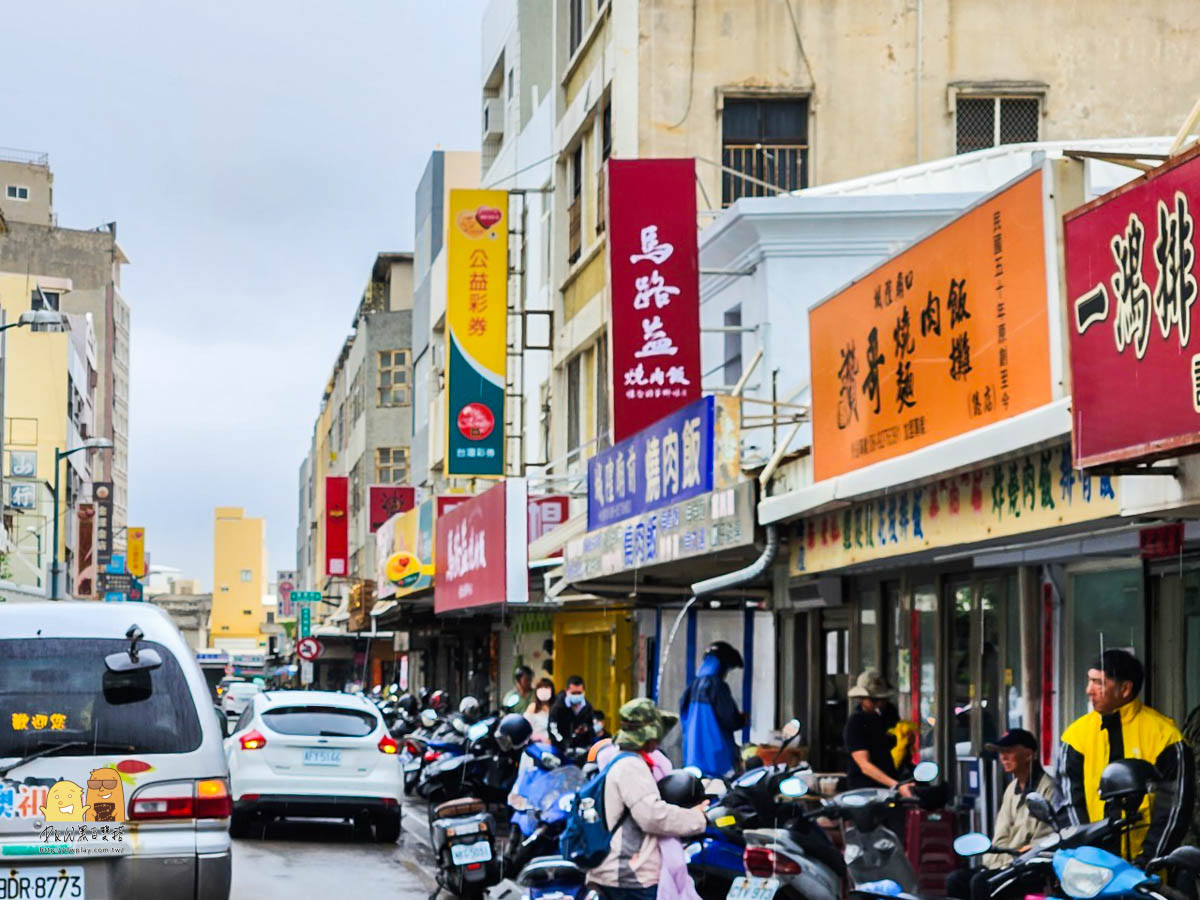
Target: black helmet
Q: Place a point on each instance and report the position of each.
(1127, 780)
(513, 732)
(423, 697)
(522, 671)
(409, 705)
(469, 707)
(724, 652)
(681, 789)
(439, 701)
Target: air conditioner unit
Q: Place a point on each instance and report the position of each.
(493, 119)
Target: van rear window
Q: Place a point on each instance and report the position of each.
(58, 690)
(323, 721)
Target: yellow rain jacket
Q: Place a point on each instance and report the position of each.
(1135, 731)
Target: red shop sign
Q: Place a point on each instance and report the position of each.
(1131, 295)
(388, 499)
(337, 524)
(482, 550)
(655, 277)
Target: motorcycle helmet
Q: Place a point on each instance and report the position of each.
(439, 702)
(1126, 781)
(681, 789)
(724, 652)
(469, 708)
(513, 732)
(423, 696)
(408, 705)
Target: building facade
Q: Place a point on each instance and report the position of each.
(240, 578)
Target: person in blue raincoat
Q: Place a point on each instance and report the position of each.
(709, 715)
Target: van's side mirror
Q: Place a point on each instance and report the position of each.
(224, 720)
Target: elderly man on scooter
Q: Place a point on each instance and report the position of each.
(1016, 829)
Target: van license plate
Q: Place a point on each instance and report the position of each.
(322, 757)
(752, 889)
(480, 851)
(30, 883)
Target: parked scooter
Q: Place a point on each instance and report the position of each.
(545, 791)
(1089, 873)
(487, 769)
(777, 862)
(428, 744)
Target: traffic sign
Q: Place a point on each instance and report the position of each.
(309, 648)
(306, 596)
(305, 620)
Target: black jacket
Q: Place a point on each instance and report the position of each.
(571, 728)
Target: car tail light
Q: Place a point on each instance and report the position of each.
(207, 798)
(763, 862)
(387, 744)
(432, 756)
(252, 740)
(212, 799)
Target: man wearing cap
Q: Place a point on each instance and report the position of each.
(636, 812)
(1015, 827)
(867, 739)
(1120, 726)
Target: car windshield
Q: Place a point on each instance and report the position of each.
(325, 721)
(243, 689)
(58, 690)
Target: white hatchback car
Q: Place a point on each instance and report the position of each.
(314, 754)
(236, 696)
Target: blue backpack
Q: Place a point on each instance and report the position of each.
(586, 838)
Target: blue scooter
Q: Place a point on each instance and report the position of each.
(1090, 873)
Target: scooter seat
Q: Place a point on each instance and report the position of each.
(463, 806)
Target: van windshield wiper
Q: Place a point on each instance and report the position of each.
(53, 748)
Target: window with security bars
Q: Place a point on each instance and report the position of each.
(391, 465)
(393, 378)
(982, 122)
(766, 140)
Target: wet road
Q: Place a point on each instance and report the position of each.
(328, 859)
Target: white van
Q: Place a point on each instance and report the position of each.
(113, 781)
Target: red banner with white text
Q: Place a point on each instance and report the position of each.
(337, 525)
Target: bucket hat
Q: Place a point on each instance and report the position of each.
(642, 721)
(870, 684)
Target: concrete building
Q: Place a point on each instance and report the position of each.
(239, 580)
(365, 425)
(770, 97)
(48, 405)
(91, 262)
(191, 613)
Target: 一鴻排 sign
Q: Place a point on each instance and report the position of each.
(1131, 295)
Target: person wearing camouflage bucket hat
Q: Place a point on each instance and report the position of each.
(643, 723)
(635, 810)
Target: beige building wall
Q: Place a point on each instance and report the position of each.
(869, 72)
(239, 575)
(26, 175)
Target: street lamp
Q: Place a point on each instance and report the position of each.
(37, 317)
(59, 456)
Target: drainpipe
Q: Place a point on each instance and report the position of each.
(917, 93)
(719, 583)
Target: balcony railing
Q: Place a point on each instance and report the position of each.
(782, 165)
(574, 238)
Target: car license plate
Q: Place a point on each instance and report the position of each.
(480, 851)
(322, 757)
(752, 889)
(44, 881)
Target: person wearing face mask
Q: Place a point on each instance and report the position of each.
(600, 725)
(571, 720)
(538, 712)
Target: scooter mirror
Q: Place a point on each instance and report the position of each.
(428, 718)
(477, 731)
(791, 729)
(926, 772)
(972, 844)
(511, 700)
(793, 787)
(1039, 807)
(693, 770)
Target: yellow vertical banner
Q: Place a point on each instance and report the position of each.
(136, 552)
(477, 332)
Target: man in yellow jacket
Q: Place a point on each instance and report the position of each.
(1120, 726)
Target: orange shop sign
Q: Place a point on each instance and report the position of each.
(947, 336)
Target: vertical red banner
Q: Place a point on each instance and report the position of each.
(655, 277)
(337, 524)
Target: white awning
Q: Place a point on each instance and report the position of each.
(1026, 430)
(549, 544)
(380, 608)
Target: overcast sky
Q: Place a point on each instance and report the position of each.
(255, 156)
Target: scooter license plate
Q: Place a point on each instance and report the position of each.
(752, 889)
(464, 854)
